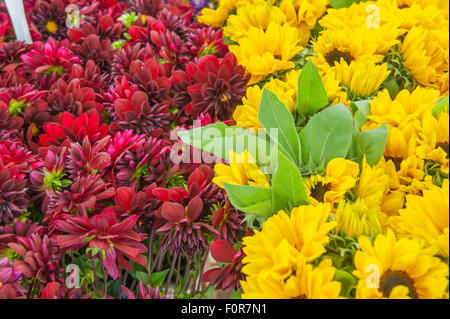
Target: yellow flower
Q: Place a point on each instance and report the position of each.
(426, 55)
(373, 185)
(258, 15)
(407, 106)
(362, 77)
(358, 18)
(356, 219)
(389, 264)
(434, 140)
(307, 282)
(215, 17)
(334, 46)
(341, 175)
(265, 52)
(284, 237)
(241, 171)
(427, 217)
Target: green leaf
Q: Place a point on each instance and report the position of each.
(157, 278)
(140, 275)
(369, 143)
(250, 199)
(337, 4)
(236, 294)
(441, 105)
(288, 190)
(347, 280)
(219, 139)
(327, 135)
(312, 95)
(274, 114)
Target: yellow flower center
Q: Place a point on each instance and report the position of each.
(51, 26)
(392, 279)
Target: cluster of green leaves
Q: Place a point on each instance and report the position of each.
(304, 144)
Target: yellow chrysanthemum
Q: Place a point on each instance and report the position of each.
(334, 46)
(361, 77)
(372, 186)
(427, 217)
(258, 15)
(284, 237)
(407, 106)
(265, 52)
(391, 268)
(241, 171)
(434, 140)
(215, 17)
(356, 219)
(375, 22)
(307, 282)
(426, 55)
(341, 175)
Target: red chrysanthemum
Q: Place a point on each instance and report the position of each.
(90, 76)
(56, 290)
(182, 233)
(71, 97)
(40, 258)
(10, 287)
(228, 222)
(82, 197)
(71, 129)
(47, 61)
(50, 18)
(141, 116)
(104, 231)
(9, 234)
(120, 90)
(11, 153)
(105, 28)
(219, 87)
(229, 276)
(13, 198)
(88, 158)
(95, 49)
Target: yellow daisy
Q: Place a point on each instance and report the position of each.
(426, 54)
(283, 237)
(391, 268)
(427, 217)
(361, 77)
(304, 282)
(242, 170)
(265, 52)
(215, 17)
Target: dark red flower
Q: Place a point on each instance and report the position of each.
(141, 116)
(88, 158)
(219, 87)
(104, 231)
(120, 90)
(182, 234)
(129, 202)
(105, 28)
(71, 129)
(12, 153)
(229, 276)
(10, 52)
(71, 97)
(40, 258)
(95, 49)
(48, 61)
(150, 78)
(124, 141)
(9, 234)
(9, 123)
(146, 7)
(90, 76)
(13, 198)
(10, 287)
(228, 222)
(50, 18)
(144, 292)
(82, 198)
(19, 97)
(56, 290)
(147, 164)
